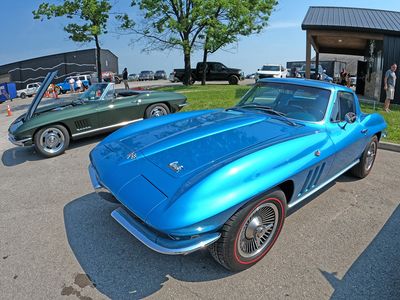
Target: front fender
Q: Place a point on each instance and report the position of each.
(209, 203)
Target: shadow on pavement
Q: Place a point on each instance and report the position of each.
(19, 155)
(376, 272)
(120, 266)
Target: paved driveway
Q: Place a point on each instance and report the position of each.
(58, 241)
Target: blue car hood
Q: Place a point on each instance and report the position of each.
(201, 141)
(198, 144)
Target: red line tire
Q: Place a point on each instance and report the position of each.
(364, 167)
(251, 232)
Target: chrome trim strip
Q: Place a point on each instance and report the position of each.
(290, 205)
(160, 244)
(183, 105)
(107, 127)
(20, 143)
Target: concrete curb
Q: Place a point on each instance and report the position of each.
(389, 146)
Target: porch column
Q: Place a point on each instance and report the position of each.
(308, 55)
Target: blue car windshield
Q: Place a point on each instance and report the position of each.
(291, 100)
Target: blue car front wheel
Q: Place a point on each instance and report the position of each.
(251, 232)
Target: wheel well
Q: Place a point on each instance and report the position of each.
(287, 188)
(379, 135)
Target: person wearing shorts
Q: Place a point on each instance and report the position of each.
(390, 85)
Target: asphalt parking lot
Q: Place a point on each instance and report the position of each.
(58, 241)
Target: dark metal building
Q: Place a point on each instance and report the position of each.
(69, 63)
(373, 34)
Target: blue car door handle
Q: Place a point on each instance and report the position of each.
(364, 131)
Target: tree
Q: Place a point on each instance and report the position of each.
(93, 14)
(170, 24)
(227, 20)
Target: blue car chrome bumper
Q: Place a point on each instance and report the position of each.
(150, 238)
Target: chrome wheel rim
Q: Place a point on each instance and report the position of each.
(371, 153)
(52, 140)
(158, 111)
(258, 230)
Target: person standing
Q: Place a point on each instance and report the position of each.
(71, 82)
(125, 78)
(79, 85)
(343, 77)
(390, 85)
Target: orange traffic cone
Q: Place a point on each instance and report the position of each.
(9, 113)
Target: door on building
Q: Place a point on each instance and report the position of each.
(362, 70)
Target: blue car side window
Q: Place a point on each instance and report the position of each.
(335, 116)
(344, 104)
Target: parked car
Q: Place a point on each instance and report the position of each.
(251, 76)
(172, 77)
(146, 75)
(100, 109)
(314, 74)
(133, 77)
(216, 71)
(29, 91)
(353, 80)
(118, 78)
(64, 86)
(160, 75)
(285, 140)
(271, 71)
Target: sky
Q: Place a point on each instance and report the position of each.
(283, 40)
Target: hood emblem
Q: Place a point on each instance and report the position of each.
(131, 156)
(175, 166)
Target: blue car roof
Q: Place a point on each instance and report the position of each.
(306, 82)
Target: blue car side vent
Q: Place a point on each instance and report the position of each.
(312, 179)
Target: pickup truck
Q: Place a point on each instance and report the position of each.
(29, 91)
(64, 86)
(216, 71)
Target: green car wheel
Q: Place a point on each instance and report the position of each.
(156, 110)
(52, 140)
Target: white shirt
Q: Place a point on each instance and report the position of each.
(79, 83)
(71, 81)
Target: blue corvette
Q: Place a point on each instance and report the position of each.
(225, 178)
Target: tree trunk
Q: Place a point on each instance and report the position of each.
(187, 76)
(98, 60)
(204, 75)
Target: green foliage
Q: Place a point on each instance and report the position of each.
(210, 96)
(226, 20)
(169, 23)
(93, 13)
(392, 119)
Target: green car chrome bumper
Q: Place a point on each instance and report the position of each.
(20, 142)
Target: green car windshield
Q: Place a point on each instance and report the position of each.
(94, 92)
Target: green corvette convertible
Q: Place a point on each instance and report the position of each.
(100, 109)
